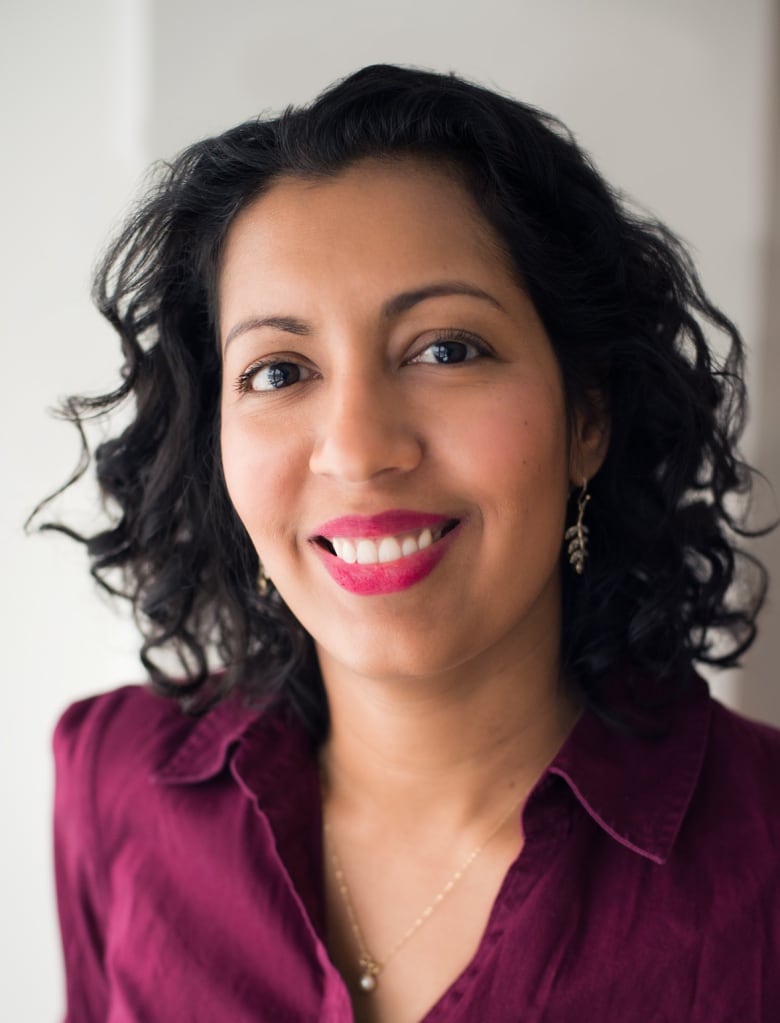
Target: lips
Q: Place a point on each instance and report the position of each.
(383, 553)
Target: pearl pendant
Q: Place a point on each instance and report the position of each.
(367, 981)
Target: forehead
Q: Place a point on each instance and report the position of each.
(388, 214)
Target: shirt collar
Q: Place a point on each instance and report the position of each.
(203, 751)
(638, 789)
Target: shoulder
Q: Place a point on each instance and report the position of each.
(100, 747)
(731, 730)
(729, 837)
(116, 745)
(742, 767)
(105, 748)
(702, 778)
(122, 759)
(127, 725)
(83, 719)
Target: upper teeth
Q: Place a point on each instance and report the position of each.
(382, 549)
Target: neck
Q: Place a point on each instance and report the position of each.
(458, 746)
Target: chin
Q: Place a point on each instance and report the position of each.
(386, 658)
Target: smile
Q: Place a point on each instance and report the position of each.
(382, 550)
(385, 553)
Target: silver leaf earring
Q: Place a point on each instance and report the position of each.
(263, 582)
(577, 535)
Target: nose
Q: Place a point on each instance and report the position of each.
(364, 430)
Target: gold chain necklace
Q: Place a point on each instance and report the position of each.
(370, 966)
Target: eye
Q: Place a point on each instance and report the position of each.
(272, 376)
(451, 348)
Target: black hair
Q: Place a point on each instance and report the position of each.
(624, 311)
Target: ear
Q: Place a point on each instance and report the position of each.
(589, 439)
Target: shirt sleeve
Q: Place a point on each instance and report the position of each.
(79, 868)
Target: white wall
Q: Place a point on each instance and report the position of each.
(673, 99)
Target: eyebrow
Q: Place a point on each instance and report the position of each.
(392, 308)
(286, 323)
(399, 304)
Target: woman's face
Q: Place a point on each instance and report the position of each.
(394, 435)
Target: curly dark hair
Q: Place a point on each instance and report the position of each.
(625, 313)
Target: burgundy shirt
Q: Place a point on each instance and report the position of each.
(189, 873)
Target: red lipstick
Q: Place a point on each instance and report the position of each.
(389, 576)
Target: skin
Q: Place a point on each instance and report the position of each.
(445, 697)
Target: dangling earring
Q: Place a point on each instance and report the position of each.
(263, 582)
(577, 535)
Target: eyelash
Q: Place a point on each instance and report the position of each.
(453, 335)
(244, 382)
(481, 349)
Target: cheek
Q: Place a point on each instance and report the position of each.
(258, 470)
(517, 444)
(519, 462)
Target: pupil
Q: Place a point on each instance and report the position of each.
(280, 374)
(449, 351)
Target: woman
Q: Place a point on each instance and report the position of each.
(430, 485)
